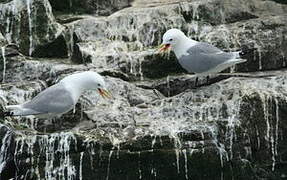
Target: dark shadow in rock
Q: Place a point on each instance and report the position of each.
(157, 66)
(257, 126)
(44, 31)
(79, 57)
(177, 84)
(95, 7)
(116, 74)
(8, 167)
(239, 16)
(5, 1)
(58, 48)
(65, 122)
(65, 19)
(9, 170)
(11, 50)
(280, 1)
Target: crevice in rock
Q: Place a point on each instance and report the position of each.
(175, 85)
(65, 19)
(116, 74)
(94, 7)
(280, 1)
(58, 48)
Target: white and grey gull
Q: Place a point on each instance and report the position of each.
(198, 57)
(61, 97)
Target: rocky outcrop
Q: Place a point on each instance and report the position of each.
(232, 126)
(31, 25)
(102, 8)
(127, 34)
(158, 125)
(7, 165)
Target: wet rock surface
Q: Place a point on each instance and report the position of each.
(158, 125)
(31, 25)
(94, 7)
(2, 40)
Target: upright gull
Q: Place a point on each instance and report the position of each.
(198, 57)
(61, 97)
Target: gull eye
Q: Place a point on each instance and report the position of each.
(99, 85)
(170, 39)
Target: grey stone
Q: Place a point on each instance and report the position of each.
(32, 26)
(102, 8)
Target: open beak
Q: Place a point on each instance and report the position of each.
(164, 47)
(105, 93)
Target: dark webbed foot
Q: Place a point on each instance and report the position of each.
(196, 82)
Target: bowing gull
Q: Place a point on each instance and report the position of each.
(61, 97)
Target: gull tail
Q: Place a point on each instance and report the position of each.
(6, 113)
(12, 110)
(19, 110)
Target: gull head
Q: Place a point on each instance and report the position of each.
(171, 39)
(99, 84)
(88, 80)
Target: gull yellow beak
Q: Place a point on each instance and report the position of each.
(163, 47)
(105, 93)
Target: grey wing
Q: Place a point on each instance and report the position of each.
(203, 57)
(203, 47)
(55, 99)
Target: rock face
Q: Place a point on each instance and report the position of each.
(2, 40)
(31, 25)
(129, 34)
(95, 7)
(158, 125)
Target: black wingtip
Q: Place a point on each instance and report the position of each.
(6, 114)
(246, 51)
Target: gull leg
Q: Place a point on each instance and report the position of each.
(134, 121)
(196, 81)
(207, 79)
